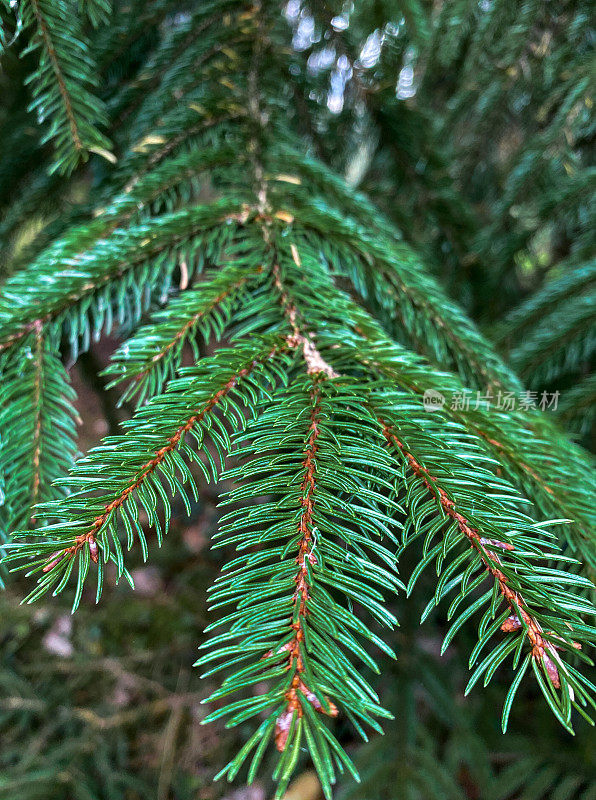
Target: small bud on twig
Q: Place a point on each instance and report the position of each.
(93, 549)
(316, 703)
(56, 559)
(512, 623)
(551, 670)
(495, 543)
(282, 729)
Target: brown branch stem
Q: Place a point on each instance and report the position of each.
(37, 406)
(315, 363)
(304, 558)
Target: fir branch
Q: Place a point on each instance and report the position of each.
(98, 11)
(561, 342)
(523, 446)
(334, 463)
(51, 51)
(154, 353)
(572, 282)
(295, 663)
(490, 523)
(308, 543)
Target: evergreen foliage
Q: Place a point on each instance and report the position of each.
(486, 163)
(554, 332)
(278, 331)
(62, 82)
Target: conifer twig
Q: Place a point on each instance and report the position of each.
(64, 93)
(541, 647)
(147, 469)
(300, 600)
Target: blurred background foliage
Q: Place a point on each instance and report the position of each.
(471, 124)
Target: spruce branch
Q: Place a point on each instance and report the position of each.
(51, 52)
(487, 550)
(574, 281)
(114, 278)
(560, 343)
(164, 188)
(154, 353)
(510, 546)
(37, 419)
(578, 407)
(97, 11)
(215, 232)
(291, 630)
(115, 480)
(523, 446)
(63, 83)
(295, 663)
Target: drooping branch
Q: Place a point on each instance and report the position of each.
(542, 649)
(522, 449)
(103, 266)
(186, 328)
